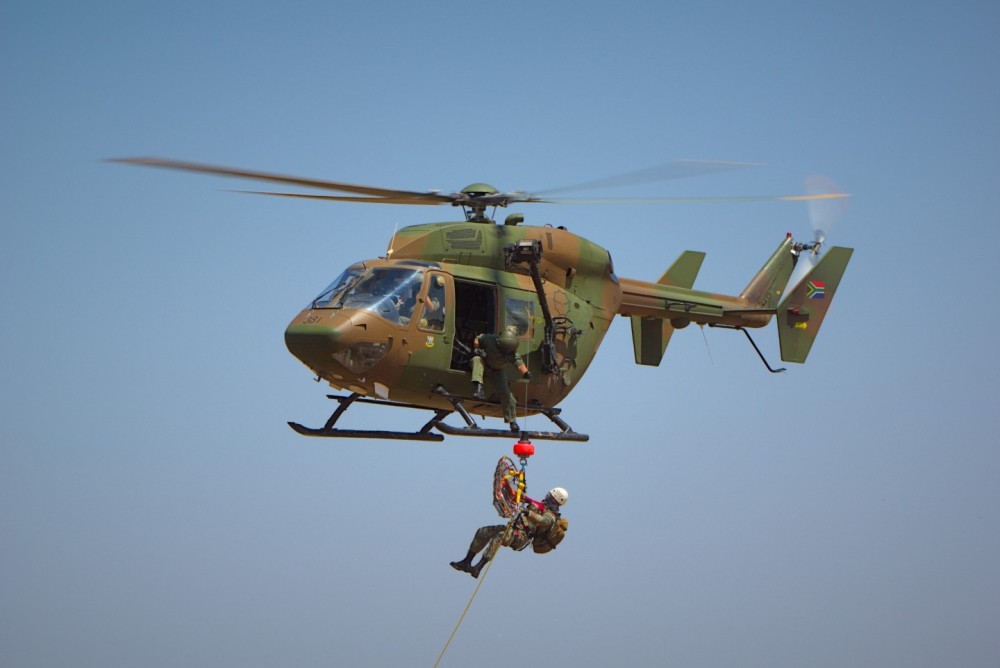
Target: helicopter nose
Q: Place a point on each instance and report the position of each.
(335, 349)
(313, 343)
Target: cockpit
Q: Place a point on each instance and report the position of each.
(389, 292)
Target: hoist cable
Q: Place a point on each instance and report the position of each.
(489, 564)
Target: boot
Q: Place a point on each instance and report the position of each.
(465, 565)
(477, 391)
(515, 428)
(474, 571)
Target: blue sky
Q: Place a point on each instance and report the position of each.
(154, 508)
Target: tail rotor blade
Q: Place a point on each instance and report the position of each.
(825, 211)
(803, 266)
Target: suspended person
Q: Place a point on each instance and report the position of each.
(491, 355)
(539, 524)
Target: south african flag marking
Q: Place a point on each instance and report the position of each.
(816, 290)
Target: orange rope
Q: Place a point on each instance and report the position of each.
(482, 577)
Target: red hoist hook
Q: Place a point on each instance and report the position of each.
(523, 449)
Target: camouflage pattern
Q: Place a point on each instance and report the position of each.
(399, 326)
(489, 361)
(530, 522)
(804, 307)
(377, 353)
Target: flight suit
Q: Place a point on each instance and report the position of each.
(492, 362)
(538, 519)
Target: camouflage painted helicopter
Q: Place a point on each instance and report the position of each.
(398, 331)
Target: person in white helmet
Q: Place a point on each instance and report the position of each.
(539, 522)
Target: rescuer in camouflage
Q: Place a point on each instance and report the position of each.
(492, 354)
(535, 519)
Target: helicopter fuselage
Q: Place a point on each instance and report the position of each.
(397, 327)
(401, 329)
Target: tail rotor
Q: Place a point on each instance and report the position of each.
(824, 212)
(815, 279)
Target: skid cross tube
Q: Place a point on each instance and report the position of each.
(328, 430)
(472, 429)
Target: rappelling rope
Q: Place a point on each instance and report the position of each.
(489, 564)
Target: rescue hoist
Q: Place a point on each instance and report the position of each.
(509, 483)
(509, 488)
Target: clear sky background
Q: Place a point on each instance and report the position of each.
(155, 509)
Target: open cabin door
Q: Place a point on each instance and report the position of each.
(475, 314)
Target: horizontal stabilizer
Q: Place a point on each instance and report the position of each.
(801, 312)
(684, 270)
(650, 336)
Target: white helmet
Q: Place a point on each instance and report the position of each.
(559, 495)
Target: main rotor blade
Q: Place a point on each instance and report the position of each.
(671, 170)
(676, 169)
(350, 198)
(433, 198)
(684, 200)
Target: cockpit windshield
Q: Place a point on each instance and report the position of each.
(390, 292)
(328, 298)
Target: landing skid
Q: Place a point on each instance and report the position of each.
(328, 430)
(506, 433)
(471, 428)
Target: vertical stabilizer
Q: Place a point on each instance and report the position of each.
(801, 312)
(764, 289)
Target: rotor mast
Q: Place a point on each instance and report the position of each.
(475, 198)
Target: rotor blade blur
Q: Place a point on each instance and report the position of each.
(676, 169)
(688, 200)
(434, 198)
(349, 198)
(803, 266)
(823, 212)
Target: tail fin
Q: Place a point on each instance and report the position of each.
(684, 270)
(801, 312)
(764, 289)
(650, 336)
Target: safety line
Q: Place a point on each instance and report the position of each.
(468, 605)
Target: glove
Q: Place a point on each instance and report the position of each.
(527, 375)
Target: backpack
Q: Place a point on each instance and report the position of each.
(547, 541)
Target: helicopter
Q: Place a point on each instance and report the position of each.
(399, 331)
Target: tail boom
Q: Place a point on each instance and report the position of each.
(657, 309)
(681, 305)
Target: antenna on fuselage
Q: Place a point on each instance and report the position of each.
(392, 241)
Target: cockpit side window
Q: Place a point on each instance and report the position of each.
(520, 315)
(435, 305)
